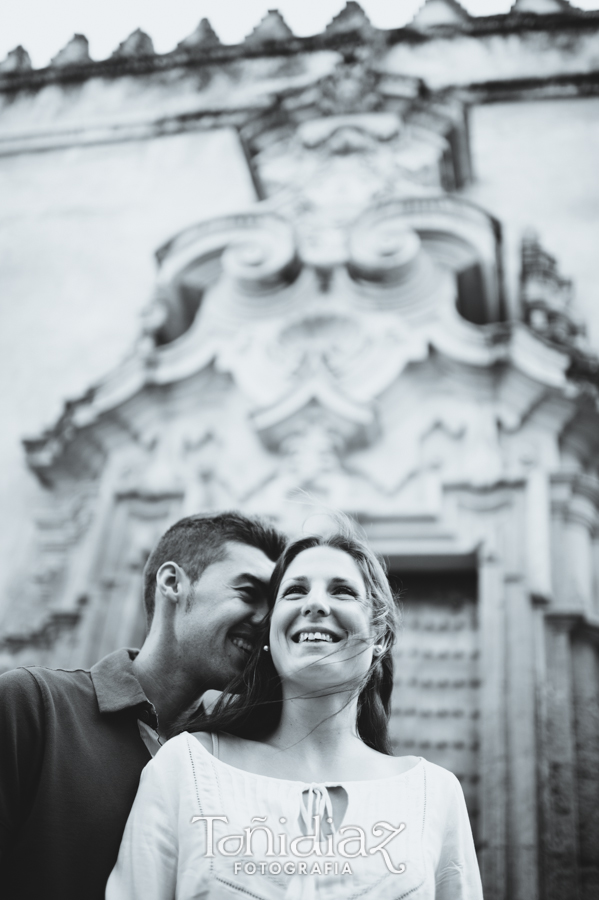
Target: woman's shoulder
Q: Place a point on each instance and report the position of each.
(181, 760)
(440, 777)
(398, 765)
(171, 753)
(443, 787)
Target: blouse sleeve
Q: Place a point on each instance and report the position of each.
(457, 876)
(146, 868)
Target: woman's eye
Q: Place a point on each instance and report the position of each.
(294, 589)
(343, 591)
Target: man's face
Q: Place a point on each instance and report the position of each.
(217, 629)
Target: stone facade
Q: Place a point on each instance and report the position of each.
(338, 329)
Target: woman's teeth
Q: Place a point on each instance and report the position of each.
(314, 636)
(242, 644)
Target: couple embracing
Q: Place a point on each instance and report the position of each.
(285, 789)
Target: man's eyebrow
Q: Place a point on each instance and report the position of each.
(244, 577)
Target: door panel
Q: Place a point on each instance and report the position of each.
(436, 686)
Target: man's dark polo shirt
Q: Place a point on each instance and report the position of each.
(70, 760)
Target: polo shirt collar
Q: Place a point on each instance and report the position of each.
(115, 684)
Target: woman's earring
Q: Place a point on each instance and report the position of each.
(378, 649)
(266, 648)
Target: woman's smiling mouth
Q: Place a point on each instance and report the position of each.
(313, 635)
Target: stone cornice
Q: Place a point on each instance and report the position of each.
(569, 84)
(572, 620)
(55, 137)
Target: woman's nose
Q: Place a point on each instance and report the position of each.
(316, 603)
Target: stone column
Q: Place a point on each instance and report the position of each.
(493, 775)
(585, 670)
(558, 788)
(522, 836)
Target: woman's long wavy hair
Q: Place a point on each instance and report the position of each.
(251, 706)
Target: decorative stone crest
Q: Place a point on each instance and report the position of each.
(546, 297)
(75, 53)
(17, 60)
(201, 39)
(137, 44)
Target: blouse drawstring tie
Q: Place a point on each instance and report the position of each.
(315, 801)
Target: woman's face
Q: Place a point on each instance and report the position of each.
(321, 631)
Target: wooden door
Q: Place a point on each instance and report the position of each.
(436, 703)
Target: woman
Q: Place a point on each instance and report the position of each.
(288, 789)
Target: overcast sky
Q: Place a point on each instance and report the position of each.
(43, 27)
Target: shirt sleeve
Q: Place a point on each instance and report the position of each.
(457, 876)
(22, 742)
(146, 868)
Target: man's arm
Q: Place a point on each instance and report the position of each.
(22, 738)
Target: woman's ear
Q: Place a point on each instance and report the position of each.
(381, 643)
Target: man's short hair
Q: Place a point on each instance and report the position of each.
(194, 543)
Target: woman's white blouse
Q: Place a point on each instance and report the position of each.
(190, 836)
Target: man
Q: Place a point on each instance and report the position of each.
(73, 743)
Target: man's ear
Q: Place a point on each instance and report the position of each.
(171, 582)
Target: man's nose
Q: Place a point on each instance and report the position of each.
(316, 603)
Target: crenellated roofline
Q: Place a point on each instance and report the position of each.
(350, 29)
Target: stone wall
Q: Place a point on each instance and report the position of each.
(78, 230)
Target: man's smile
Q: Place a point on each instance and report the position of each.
(242, 644)
(244, 639)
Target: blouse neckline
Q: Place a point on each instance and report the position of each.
(306, 784)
